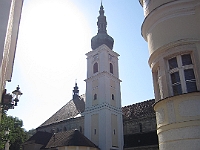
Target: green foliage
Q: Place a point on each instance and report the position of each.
(17, 135)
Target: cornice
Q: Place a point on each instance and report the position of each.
(100, 74)
(102, 106)
(100, 49)
(180, 44)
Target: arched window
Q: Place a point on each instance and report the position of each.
(113, 97)
(80, 129)
(95, 67)
(111, 68)
(95, 96)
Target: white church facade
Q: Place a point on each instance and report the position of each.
(172, 120)
(98, 114)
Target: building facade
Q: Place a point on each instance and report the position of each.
(139, 123)
(171, 28)
(98, 114)
(10, 14)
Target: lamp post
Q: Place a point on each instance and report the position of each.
(16, 95)
(10, 100)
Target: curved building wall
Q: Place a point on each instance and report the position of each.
(171, 28)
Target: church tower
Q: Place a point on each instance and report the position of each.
(172, 30)
(103, 116)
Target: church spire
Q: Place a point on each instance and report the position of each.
(102, 37)
(102, 24)
(75, 91)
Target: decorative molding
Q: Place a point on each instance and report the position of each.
(100, 74)
(104, 105)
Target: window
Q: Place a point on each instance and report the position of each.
(95, 96)
(113, 97)
(95, 67)
(114, 131)
(182, 74)
(95, 131)
(140, 127)
(111, 68)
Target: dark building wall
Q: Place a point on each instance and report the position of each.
(141, 141)
(139, 125)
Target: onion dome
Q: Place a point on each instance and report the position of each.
(102, 37)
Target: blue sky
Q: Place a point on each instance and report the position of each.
(54, 37)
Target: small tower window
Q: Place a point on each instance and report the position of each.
(114, 132)
(95, 96)
(95, 68)
(113, 97)
(95, 131)
(111, 68)
(140, 126)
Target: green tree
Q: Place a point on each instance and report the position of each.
(17, 135)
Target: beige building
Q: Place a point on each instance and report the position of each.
(171, 28)
(10, 13)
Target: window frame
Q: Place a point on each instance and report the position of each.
(113, 97)
(95, 97)
(111, 68)
(95, 67)
(181, 71)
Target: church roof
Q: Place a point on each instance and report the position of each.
(73, 108)
(39, 138)
(139, 110)
(69, 138)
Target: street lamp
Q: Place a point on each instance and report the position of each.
(16, 95)
(10, 100)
